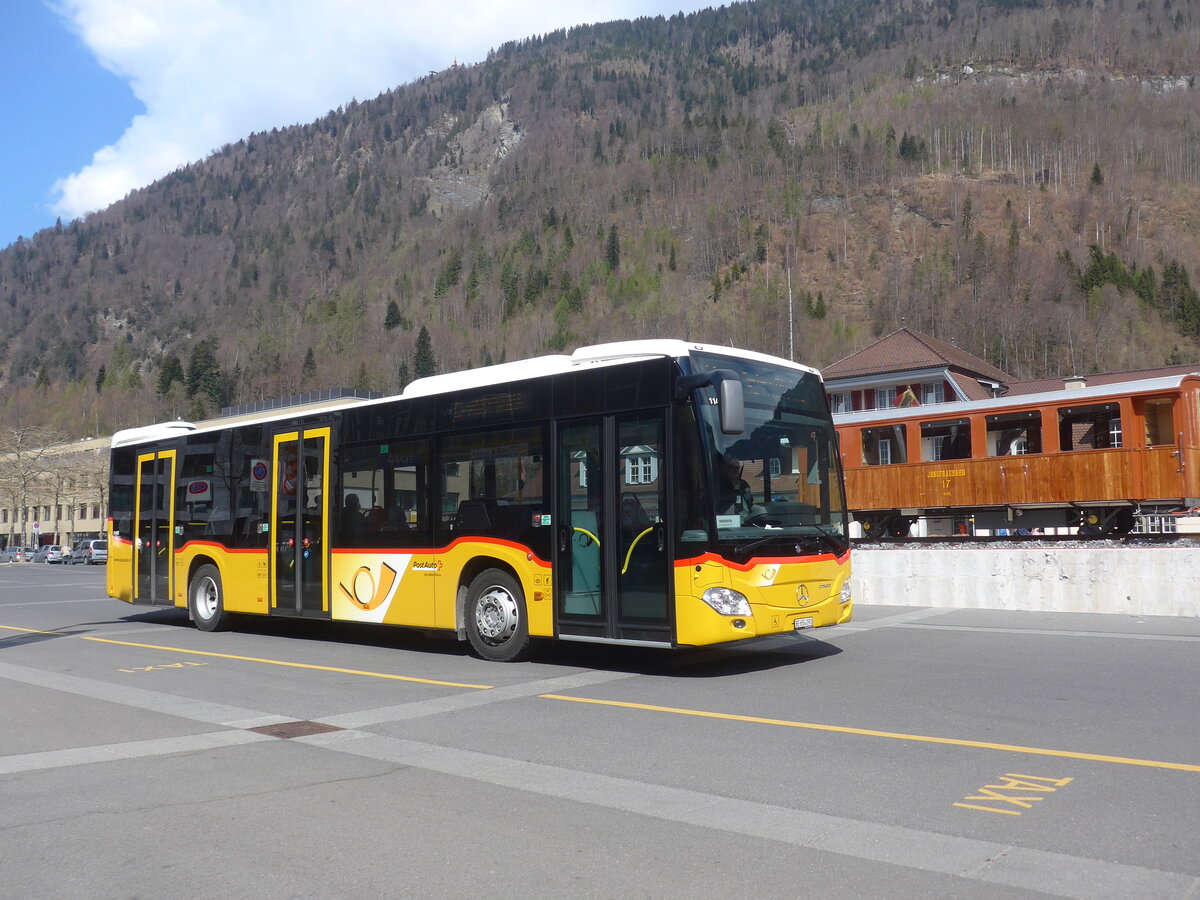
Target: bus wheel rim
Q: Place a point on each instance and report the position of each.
(207, 598)
(496, 615)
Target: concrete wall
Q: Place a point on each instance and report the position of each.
(1148, 581)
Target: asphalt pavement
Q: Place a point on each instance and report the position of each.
(915, 752)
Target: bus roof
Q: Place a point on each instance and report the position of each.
(595, 355)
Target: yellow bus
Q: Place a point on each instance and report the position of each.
(652, 493)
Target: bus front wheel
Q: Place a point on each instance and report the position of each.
(495, 617)
(206, 600)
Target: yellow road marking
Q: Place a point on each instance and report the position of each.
(1007, 812)
(268, 662)
(292, 665)
(898, 736)
(35, 631)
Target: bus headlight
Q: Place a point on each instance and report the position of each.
(846, 593)
(727, 602)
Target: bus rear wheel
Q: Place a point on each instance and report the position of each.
(206, 600)
(495, 617)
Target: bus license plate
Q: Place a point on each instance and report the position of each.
(801, 624)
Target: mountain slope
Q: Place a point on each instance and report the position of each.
(1021, 180)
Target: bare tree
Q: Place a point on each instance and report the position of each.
(24, 458)
(92, 469)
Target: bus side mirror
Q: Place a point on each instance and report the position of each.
(731, 404)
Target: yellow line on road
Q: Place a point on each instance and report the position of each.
(866, 732)
(269, 662)
(292, 665)
(1007, 812)
(35, 631)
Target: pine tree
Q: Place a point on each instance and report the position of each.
(424, 362)
(612, 250)
(819, 308)
(204, 374)
(100, 376)
(393, 318)
(309, 368)
(170, 372)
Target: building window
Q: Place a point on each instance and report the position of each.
(1114, 432)
(841, 403)
(775, 467)
(1156, 524)
(641, 468)
(932, 393)
(885, 398)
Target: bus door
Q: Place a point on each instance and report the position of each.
(153, 531)
(611, 566)
(300, 523)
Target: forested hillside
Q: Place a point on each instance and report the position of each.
(1020, 178)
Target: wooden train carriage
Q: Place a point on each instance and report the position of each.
(1094, 457)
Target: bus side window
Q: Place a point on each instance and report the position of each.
(493, 484)
(383, 494)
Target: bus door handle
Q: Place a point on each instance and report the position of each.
(662, 538)
(564, 539)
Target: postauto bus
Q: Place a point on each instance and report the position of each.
(653, 493)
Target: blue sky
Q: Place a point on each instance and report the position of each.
(105, 96)
(59, 107)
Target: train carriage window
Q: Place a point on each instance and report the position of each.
(1095, 427)
(884, 445)
(946, 440)
(1160, 422)
(1014, 434)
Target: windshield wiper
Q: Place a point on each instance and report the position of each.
(837, 542)
(746, 548)
(820, 536)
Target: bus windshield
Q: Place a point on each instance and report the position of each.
(780, 478)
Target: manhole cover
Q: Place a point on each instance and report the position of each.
(294, 729)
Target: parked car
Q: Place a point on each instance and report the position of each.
(10, 554)
(90, 551)
(55, 553)
(39, 553)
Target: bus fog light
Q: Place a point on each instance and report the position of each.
(846, 593)
(739, 623)
(727, 602)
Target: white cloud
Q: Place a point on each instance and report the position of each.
(210, 72)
